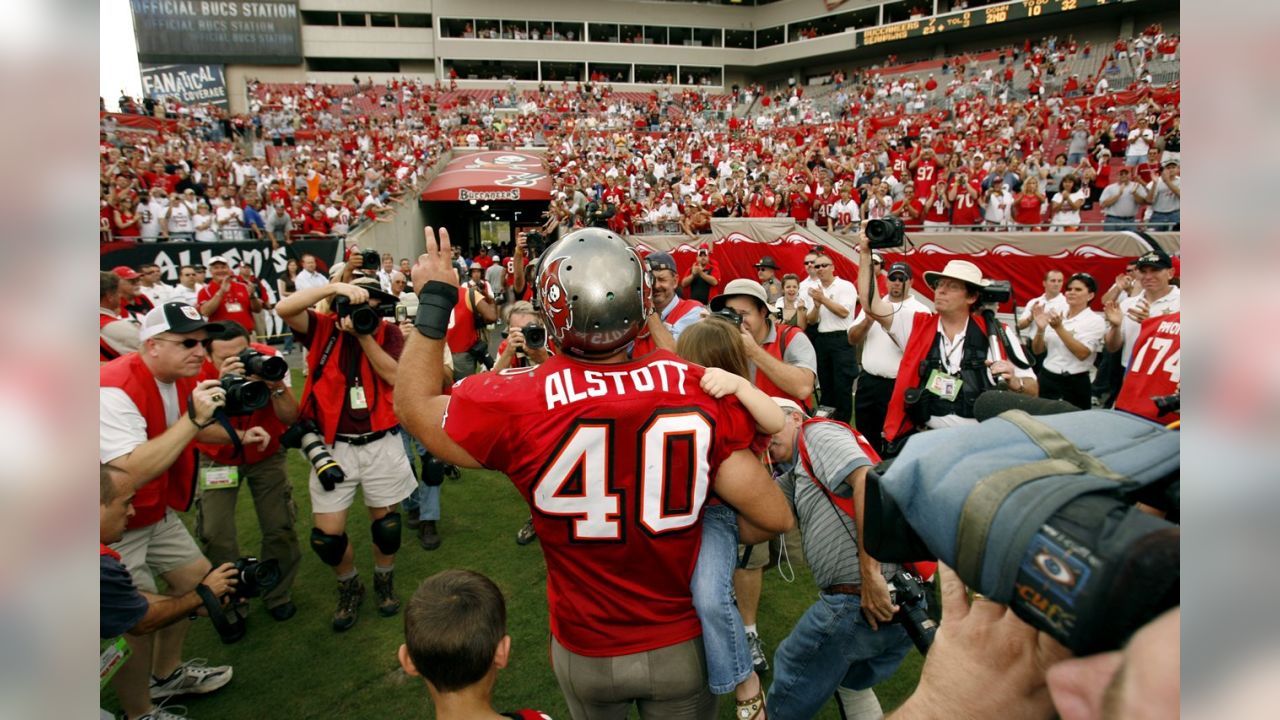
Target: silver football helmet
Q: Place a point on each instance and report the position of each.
(594, 292)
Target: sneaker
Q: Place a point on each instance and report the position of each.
(758, 659)
(350, 595)
(193, 677)
(384, 587)
(526, 534)
(428, 535)
(173, 712)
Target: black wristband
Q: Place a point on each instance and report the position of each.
(435, 305)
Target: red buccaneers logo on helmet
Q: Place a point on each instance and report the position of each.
(554, 299)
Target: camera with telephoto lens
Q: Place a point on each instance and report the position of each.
(884, 233)
(255, 577)
(371, 260)
(535, 336)
(1041, 514)
(244, 396)
(364, 317)
(913, 609)
(305, 436)
(267, 367)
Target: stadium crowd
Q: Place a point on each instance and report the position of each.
(798, 366)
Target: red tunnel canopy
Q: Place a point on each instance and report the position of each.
(490, 176)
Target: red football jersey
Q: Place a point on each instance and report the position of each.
(616, 462)
(1154, 369)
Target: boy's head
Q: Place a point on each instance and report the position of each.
(455, 630)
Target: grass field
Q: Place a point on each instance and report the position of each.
(302, 669)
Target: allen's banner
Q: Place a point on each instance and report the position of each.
(267, 264)
(188, 84)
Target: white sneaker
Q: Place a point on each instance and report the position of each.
(193, 677)
(758, 659)
(173, 712)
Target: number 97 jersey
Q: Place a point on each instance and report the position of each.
(616, 462)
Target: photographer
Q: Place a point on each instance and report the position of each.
(468, 338)
(151, 410)
(348, 398)
(947, 360)
(227, 298)
(122, 607)
(223, 470)
(844, 643)
(515, 351)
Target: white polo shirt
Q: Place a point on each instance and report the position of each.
(881, 354)
(1088, 328)
(1058, 303)
(843, 292)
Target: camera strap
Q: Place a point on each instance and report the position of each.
(324, 359)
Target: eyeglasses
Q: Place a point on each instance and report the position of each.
(808, 262)
(186, 343)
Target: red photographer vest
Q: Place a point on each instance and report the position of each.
(323, 396)
(225, 453)
(783, 337)
(924, 333)
(461, 335)
(106, 353)
(176, 485)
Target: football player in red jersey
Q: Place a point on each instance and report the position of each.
(615, 457)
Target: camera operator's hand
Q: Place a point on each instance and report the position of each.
(718, 383)
(207, 397)
(256, 435)
(221, 580)
(1004, 370)
(985, 662)
(522, 241)
(515, 342)
(353, 293)
(233, 366)
(435, 263)
(877, 604)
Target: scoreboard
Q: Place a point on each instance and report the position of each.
(978, 17)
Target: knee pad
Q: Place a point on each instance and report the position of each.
(433, 471)
(386, 533)
(330, 548)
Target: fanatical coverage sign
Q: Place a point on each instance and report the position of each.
(188, 84)
(267, 264)
(177, 31)
(492, 175)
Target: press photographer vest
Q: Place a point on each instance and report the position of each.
(225, 454)
(174, 487)
(106, 353)
(923, 351)
(778, 348)
(324, 396)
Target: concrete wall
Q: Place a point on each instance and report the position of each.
(368, 42)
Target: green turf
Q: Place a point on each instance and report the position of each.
(302, 669)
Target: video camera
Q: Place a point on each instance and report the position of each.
(305, 436)
(1039, 514)
(254, 577)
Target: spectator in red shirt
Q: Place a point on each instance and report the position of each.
(227, 298)
(316, 223)
(1029, 205)
(910, 209)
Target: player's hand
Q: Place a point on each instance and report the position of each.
(207, 397)
(351, 292)
(221, 580)
(256, 436)
(877, 605)
(436, 263)
(718, 383)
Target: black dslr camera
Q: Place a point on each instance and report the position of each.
(535, 335)
(364, 317)
(371, 260)
(254, 577)
(267, 367)
(728, 314)
(305, 436)
(535, 243)
(885, 233)
(244, 396)
(910, 596)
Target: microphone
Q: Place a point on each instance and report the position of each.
(993, 402)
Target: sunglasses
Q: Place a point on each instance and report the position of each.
(186, 343)
(822, 266)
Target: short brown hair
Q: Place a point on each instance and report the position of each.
(452, 627)
(714, 342)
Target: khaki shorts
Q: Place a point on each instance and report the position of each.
(157, 549)
(381, 468)
(753, 557)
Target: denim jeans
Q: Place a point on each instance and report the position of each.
(1162, 221)
(425, 501)
(1074, 159)
(831, 646)
(1110, 222)
(725, 640)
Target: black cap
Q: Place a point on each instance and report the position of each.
(1156, 260)
(176, 317)
(900, 267)
(767, 262)
(661, 261)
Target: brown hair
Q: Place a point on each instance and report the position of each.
(452, 627)
(714, 343)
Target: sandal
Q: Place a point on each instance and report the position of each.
(751, 709)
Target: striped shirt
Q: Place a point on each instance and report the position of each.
(828, 534)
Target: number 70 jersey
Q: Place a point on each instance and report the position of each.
(616, 463)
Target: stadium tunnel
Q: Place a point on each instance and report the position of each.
(487, 196)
